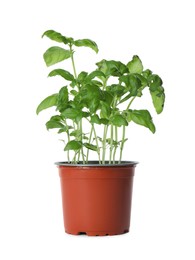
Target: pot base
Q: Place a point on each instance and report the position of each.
(98, 233)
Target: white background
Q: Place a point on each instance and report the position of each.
(162, 34)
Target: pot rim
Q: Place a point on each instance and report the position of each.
(96, 164)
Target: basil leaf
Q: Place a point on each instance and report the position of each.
(74, 92)
(82, 76)
(63, 73)
(146, 73)
(116, 90)
(119, 120)
(96, 73)
(90, 146)
(105, 110)
(76, 133)
(112, 68)
(53, 124)
(86, 43)
(158, 99)
(72, 113)
(95, 119)
(55, 54)
(132, 82)
(154, 82)
(56, 36)
(73, 145)
(135, 65)
(142, 117)
(62, 99)
(104, 121)
(47, 102)
(93, 105)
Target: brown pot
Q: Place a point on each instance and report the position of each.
(96, 198)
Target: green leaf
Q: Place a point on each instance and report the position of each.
(64, 129)
(76, 133)
(93, 105)
(104, 121)
(47, 102)
(55, 54)
(63, 73)
(146, 73)
(90, 146)
(85, 114)
(95, 119)
(112, 68)
(132, 82)
(158, 99)
(107, 97)
(154, 82)
(74, 92)
(116, 90)
(73, 145)
(72, 113)
(86, 43)
(54, 124)
(56, 36)
(119, 120)
(135, 65)
(143, 80)
(82, 76)
(96, 73)
(142, 117)
(62, 99)
(91, 95)
(105, 110)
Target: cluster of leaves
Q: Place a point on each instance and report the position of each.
(88, 97)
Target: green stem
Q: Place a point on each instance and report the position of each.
(104, 144)
(116, 139)
(79, 127)
(90, 137)
(105, 83)
(81, 139)
(74, 158)
(97, 144)
(68, 136)
(111, 143)
(78, 158)
(130, 103)
(122, 144)
(73, 64)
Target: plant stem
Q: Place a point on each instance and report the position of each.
(90, 137)
(73, 64)
(130, 102)
(122, 144)
(79, 127)
(74, 158)
(116, 140)
(81, 139)
(104, 144)
(97, 144)
(68, 136)
(111, 143)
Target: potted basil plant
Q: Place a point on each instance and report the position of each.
(93, 111)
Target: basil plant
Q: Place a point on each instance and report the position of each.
(90, 102)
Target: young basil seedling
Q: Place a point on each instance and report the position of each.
(89, 97)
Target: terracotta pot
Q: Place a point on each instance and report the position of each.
(96, 198)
